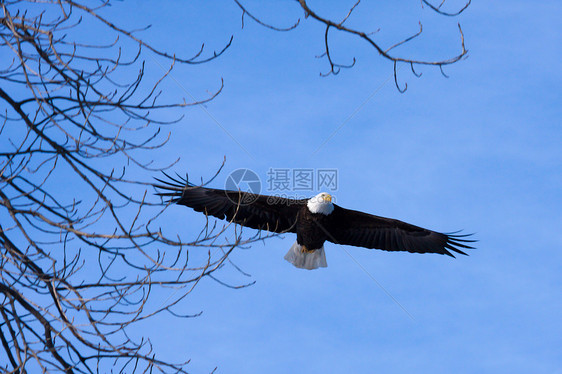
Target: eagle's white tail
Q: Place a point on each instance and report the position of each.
(306, 260)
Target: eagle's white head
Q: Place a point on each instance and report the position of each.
(321, 203)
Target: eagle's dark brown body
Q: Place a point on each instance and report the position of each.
(312, 229)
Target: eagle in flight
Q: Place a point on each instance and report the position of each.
(315, 221)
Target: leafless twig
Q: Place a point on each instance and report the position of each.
(384, 52)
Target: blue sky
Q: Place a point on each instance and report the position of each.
(479, 151)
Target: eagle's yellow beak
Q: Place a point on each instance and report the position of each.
(328, 198)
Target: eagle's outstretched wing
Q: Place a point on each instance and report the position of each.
(260, 212)
(365, 230)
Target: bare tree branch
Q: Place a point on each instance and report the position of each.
(80, 250)
(245, 12)
(384, 52)
(438, 8)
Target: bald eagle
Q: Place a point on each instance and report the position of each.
(314, 220)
